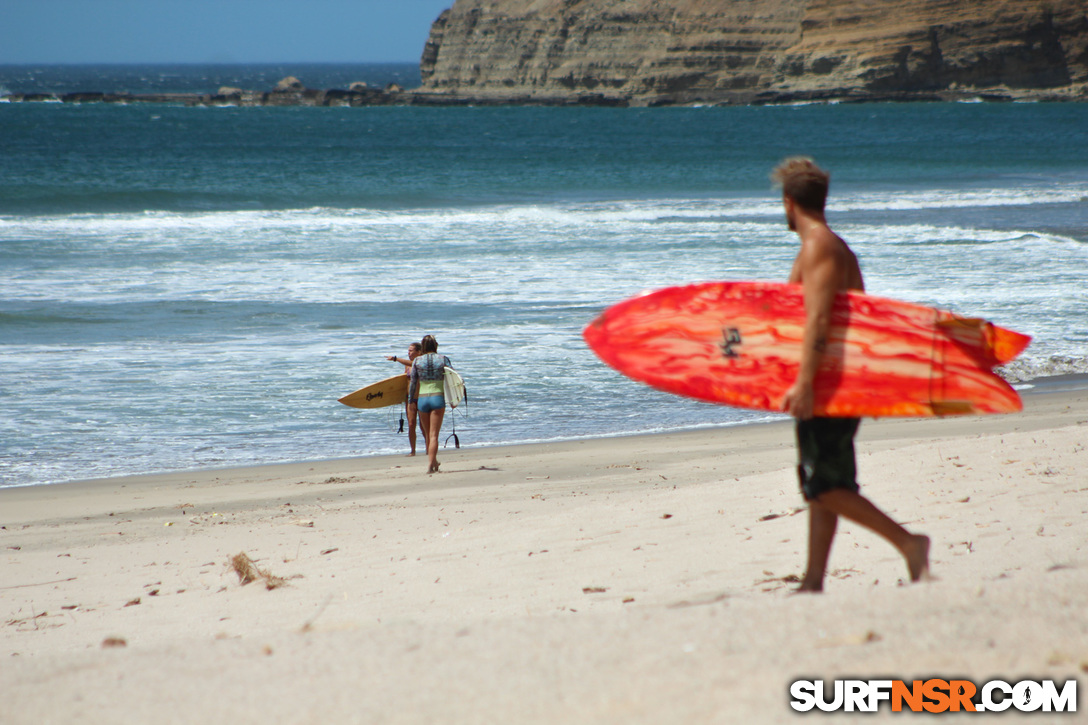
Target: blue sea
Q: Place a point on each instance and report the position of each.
(191, 288)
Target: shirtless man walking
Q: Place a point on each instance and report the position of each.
(827, 471)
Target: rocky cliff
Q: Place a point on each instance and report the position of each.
(647, 52)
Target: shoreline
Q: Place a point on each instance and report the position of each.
(641, 579)
(1048, 385)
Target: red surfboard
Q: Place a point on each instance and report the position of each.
(739, 343)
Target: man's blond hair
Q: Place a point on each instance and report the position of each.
(803, 181)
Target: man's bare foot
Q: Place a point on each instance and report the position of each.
(809, 589)
(810, 585)
(917, 554)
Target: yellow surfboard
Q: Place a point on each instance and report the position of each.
(391, 391)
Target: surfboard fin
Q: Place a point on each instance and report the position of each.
(952, 407)
(1000, 345)
(975, 322)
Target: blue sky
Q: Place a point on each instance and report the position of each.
(215, 31)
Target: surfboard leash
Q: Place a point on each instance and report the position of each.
(453, 419)
(453, 435)
(391, 420)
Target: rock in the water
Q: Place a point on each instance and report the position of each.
(290, 83)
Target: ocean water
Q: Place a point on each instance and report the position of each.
(190, 288)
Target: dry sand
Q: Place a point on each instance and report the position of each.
(626, 580)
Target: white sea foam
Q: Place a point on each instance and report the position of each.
(711, 211)
(956, 199)
(1026, 369)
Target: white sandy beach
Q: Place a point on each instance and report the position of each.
(625, 580)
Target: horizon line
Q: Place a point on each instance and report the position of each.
(208, 62)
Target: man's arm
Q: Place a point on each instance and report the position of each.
(821, 271)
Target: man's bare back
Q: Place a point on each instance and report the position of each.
(819, 242)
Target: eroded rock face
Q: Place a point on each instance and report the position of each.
(683, 51)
